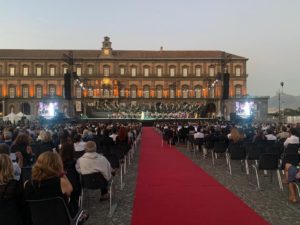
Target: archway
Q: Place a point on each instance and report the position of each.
(25, 108)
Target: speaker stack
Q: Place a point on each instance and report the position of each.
(226, 86)
(67, 80)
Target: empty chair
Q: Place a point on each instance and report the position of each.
(51, 211)
(268, 161)
(236, 151)
(253, 153)
(96, 181)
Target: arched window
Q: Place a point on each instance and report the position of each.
(90, 70)
(25, 70)
(122, 70)
(146, 91)
(52, 90)
(39, 70)
(159, 71)
(185, 71)
(133, 71)
(159, 91)
(172, 71)
(52, 70)
(133, 90)
(198, 91)
(172, 91)
(238, 71)
(12, 91)
(38, 91)
(198, 71)
(12, 70)
(106, 70)
(238, 90)
(79, 70)
(25, 91)
(146, 71)
(185, 91)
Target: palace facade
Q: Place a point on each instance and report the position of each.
(29, 77)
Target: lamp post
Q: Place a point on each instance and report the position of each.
(279, 101)
(282, 84)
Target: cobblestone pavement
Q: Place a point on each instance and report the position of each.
(269, 202)
(99, 210)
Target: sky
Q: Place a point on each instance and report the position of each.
(267, 32)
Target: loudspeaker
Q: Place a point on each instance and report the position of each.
(67, 80)
(226, 86)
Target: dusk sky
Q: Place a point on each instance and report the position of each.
(267, 32)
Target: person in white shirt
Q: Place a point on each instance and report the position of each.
(270, 135)
(92, 162)
(293, 139)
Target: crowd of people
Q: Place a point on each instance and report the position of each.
(56, 156)
(280, 139)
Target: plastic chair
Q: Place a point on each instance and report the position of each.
(51, 211)
(235, 152)
(219, 147)
(96, 181)
(269, 162)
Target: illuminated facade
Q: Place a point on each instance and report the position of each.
(31, 76)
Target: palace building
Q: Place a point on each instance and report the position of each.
(129, 77)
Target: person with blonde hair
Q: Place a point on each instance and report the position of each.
(48, 179)
(236, 135)
(10, 193)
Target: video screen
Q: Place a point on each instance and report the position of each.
(48, 110)
(245, 109)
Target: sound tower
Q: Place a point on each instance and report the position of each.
(226, 86)
(67, 80)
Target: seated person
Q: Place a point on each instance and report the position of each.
(17, 160)
(92, 162)
(10, 193)
(292, 139)
(48, 179)
(293, 174)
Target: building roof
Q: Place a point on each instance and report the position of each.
(117, 54)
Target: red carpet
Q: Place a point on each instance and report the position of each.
(172, 190)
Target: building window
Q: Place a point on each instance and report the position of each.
(238, 71)
(78, 92)
(172, 72)
(122, 70)
(238, 91)
(12, 92)
(106, 71)
(198, 92)
(211, 71)
(185, 71)
(185, 91)
(122, 92)
(65, 70)
(25, 91)
(38, 91)
(159, 91)
(90, 92)
(52, 71)
(159, 71)
(0, 70)
(133, 71)
(172, 92)
(133, 91)
(52, 90)
(25, 71)
(90, 70)
(146, 91)
(146, 72)
(39, 71)
(79, 71)
(0, 91)
(12, 71)
(198, 71)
